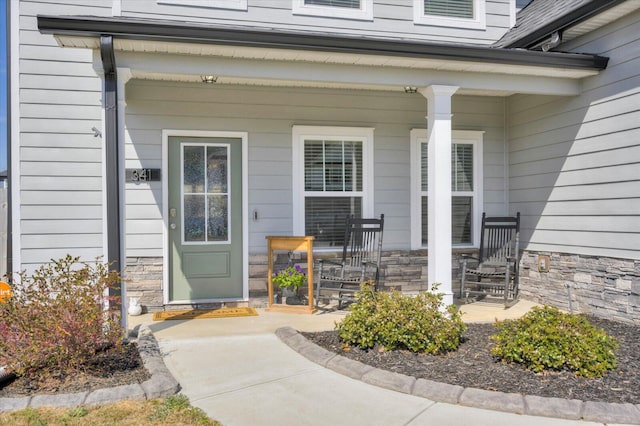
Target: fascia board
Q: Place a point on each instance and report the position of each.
(196, 33)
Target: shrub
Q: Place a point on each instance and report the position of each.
(392, 320)
(58, 318)
(546, 338)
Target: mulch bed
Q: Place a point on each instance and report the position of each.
(472, 365)
(105, 369)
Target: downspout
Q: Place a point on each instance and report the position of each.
(114, 252)
(9, 243)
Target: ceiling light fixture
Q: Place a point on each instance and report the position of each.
(410, 89)
(209, 79)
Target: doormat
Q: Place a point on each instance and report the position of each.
(204, 314)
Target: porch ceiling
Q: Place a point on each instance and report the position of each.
(240, 56)
(186, 62)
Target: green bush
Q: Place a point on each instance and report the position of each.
(392, 320)
(58, 318)
(546, 338)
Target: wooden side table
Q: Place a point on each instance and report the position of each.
(291, 243)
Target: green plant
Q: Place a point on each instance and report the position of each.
(77, 412)
(59, 316)
(546, 338)
(292, 276)
(179, 404)
(419, 323)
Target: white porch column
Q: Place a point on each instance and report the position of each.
(439, 176)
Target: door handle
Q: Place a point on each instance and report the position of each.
(172, 226)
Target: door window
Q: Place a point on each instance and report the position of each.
(205, 193)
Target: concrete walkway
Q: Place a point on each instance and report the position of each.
(240, 373)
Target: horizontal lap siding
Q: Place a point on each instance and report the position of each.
(392, 19)
(574, 161)
(268, 114)
(60, 159)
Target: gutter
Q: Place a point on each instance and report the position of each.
(168, 31)
(112, 161)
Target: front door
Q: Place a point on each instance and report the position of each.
(205, 219)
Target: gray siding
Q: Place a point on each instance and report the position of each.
(391, 18)
(574, 161)
(60, 160)
(268, 115)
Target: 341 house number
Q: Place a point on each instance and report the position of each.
(142, 175)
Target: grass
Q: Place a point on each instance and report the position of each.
(174, 410)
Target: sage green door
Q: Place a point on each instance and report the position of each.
(205, 219)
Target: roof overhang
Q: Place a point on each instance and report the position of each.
(578, 21)
(137, 39)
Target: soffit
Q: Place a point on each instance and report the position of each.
(600, 20)
(244, 52)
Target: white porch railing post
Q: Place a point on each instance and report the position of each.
(439, 180)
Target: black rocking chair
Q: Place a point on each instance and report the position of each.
(340, 279)
(496, 272)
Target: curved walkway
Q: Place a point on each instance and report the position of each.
(239, 371)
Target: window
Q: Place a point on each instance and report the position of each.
(205, 193)
(216, 4)
(466, 188)
(450, 13)
(347, 9)
(331, 180)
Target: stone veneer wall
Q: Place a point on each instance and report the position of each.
(401, 269)
(404, 270)
(601, 286)
(143, 278)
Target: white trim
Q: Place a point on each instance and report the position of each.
(166, 134)
(15, 138)
(301, 133)
(479, 21)
(364, 13)
(214, 4)
(116, 7)
(418, 137)
(105, 228)
(512, 13)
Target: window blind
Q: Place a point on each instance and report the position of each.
(461, 181)
(450, 8)
(349, 4)
(461, 167)
(325, 218)
(333, 167)
(461, 220)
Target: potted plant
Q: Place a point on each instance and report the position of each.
(289, 280)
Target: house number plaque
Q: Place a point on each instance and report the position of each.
(142, 175)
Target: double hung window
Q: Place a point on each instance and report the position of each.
(347, 9)
(450, 13)
(331, 167)
(466, 188)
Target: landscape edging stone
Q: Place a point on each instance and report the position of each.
(602, 412)
(160, 385)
